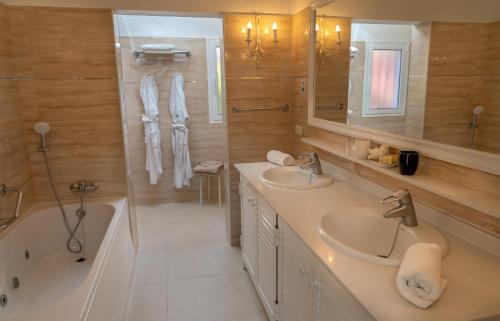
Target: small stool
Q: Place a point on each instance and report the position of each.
(209, 169)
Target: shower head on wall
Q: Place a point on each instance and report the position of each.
(478, 110)
(42, 128)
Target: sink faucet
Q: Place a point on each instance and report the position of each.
(403, 208)
(312, 163)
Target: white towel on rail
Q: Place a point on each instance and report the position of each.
(149, 95)
(158, 47)
(180, 133)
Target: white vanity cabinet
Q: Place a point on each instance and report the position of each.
(307, 288)
(293, 284)
(296, 287)
(259, 246)
(248, 198)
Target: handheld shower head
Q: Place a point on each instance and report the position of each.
(42, 128)
(478, 110)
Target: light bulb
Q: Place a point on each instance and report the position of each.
(249, 25)
(275, 26)
(337, 28)
(317, 27)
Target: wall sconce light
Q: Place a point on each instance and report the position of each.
(337, 30)
(321, 36)
(257, 50)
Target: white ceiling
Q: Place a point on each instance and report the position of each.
(415, 10)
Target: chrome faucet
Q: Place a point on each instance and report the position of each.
(403, 207)
(312, 163)
(83, 187)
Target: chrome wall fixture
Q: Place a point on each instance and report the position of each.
(4, 223)
(257, 51)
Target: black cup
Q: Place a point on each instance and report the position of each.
(408, 162)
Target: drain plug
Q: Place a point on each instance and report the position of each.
(82, 259)
(3, 300)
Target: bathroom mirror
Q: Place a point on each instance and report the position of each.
(418, 75)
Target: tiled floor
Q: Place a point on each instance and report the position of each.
(186, 271)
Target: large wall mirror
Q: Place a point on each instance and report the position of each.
(434, 78)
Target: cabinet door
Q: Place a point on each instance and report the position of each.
(266, 251)
(336, 303)
(297, 295)
(249, 229)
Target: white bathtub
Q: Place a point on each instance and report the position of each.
(53, 286)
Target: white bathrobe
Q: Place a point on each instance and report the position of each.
(180, 134)
(149, 95)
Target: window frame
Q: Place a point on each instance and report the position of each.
(403, 80)
(215, 117)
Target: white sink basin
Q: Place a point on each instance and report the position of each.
(293, 177)
(363, 233)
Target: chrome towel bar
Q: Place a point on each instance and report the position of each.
(284, 108)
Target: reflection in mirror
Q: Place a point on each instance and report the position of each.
(333, 37)
(437, 81)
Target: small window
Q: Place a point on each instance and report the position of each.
(386, 79)
(214, 80)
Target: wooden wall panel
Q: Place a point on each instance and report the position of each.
(66, 70)
(253, 134)
(206, 140)
(14, 161)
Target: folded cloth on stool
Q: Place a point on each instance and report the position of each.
(208, 167)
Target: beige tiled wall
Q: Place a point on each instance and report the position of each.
(417, 80)
(206, 140)
(253, 134)
(14, 160)
(64, 60)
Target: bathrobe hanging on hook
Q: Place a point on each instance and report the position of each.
(180, 133)
(149, 95)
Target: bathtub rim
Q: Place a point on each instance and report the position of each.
(76, 306)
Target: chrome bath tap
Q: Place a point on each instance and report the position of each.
(83, 187)
(313, 163)
(403, 207)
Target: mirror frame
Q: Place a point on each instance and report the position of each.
(475, 159)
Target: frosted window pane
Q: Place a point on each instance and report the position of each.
(385, 76)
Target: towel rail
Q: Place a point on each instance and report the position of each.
(4, 223)
(284, 108)
(139, 54)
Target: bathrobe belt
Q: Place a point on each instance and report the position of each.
(146, 119)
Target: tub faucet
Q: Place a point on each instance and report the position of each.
(83, 187)
(312, 163)
(403, 208)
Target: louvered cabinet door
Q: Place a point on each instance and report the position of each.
(336, 303)
(266, 251)
(297, 296)
(249, 229)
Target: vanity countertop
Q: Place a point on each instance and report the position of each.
(473, 290)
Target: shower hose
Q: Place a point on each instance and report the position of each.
(80, 213)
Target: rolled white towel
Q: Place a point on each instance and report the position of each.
(419, 277)
(280, 158)
(158, 47)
